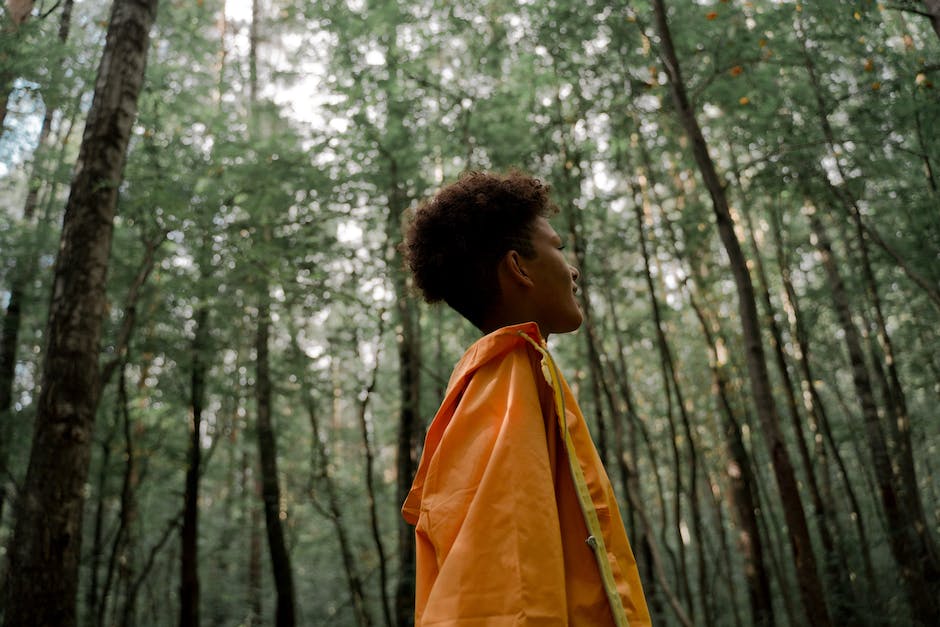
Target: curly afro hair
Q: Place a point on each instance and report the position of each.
(456, 239)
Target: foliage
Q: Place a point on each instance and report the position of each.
(367, 104)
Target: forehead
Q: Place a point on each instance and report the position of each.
(542, 229)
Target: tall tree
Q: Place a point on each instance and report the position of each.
(267, 447)
(189, 534)
(810, 584)
(45, 548)
(9, 333)
(914, 558)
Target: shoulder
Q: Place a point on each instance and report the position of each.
(507, 343)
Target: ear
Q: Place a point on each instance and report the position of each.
(513, 267)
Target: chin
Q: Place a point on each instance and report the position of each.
(570, 325)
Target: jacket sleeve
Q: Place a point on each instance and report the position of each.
(488, 540)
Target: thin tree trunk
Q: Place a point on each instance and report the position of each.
(334, 513)
(667, 372)
(833, 562)
(270, 490)
(741, 477)
(370, 486)
(815, 407)
(409, 384)
(913, 556)
(23, 272)
(740, 467)
(251, 488)
(810, 585)
(267, 447)
(97, 547)
(119, 560)
(47, 538)
(189, 534)
(659, 572)
(730, 579)
(129, 510)
(845, 196)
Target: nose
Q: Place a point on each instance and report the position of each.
(575, 273)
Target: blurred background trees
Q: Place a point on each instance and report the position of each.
(750, 190)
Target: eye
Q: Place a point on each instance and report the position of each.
(562, 247)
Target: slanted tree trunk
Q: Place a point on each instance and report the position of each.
(47, 537)
(739, 469)
(320, 464)
(742, 495)
(913, 557)
(932, 8)
(810, 584)
(667, 372)
(95, 555)
(129, 510)
(364, 429)
(24, 270)
(814, 403)
(843, 608)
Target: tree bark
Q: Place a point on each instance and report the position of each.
(739, 468)
(270, 490)
(251, 488)
(189, 534)
(370, 490)
(912, 554)
(409, 424)
(844, 607)
(810, 585)
(742, 495)
(24, 270)
(320, 465)
(667, 371)
(815, 406)
(267, 447)
(932, 7)
(47, 537)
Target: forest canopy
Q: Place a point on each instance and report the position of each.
(215, 374)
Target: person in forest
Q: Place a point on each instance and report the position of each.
(516, 522)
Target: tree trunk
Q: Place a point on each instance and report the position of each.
(810, 585)
(129, 510)
(843, 608)
(932, 8)
(92, 594)
(189, 534)
(913, 556)
(742, 495)
(267, 448)
(270, 490)
(47, 537)
(320, 465)
(370, 491)
(250, 489)
(25, 269)
(814, 403)
(667, 372)
(410, 430)
(717, 501)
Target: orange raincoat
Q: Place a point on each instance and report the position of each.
(500, 534)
